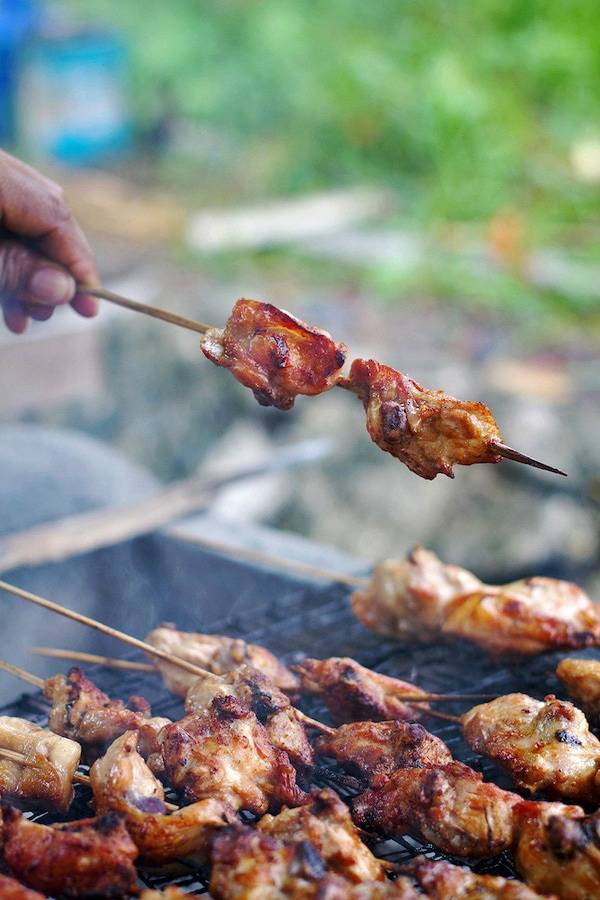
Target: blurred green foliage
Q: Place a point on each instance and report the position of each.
(466, 107)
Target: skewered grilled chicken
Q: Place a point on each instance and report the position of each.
(544, 746)
(443, 881)
(226, 754)
(582, 680)
(327, 825)
(249, 864)
(559, 852)
(46, 775)
(270, 705)
(422, 598)
(83, 712)
(352, 692)
(274, 354)
(450, 806)
(89, 858)
(123, 783)
(14, 890)
(429, 431)
(217, 653)
(373, 750)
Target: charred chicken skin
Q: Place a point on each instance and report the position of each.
(226, 754)
(327, 825)
(558, 853)
(46, 775)
(429, 431)
(123, 783)
(89, 858)
(249, 864)
(271, 707)
(274, 354)
(374, 750)
(443, 881)
(581, 677)
(13, 890)
(218, 654)
(423, 599)
(84, 713)
(545, 746)
(449, 806)
(353, 693)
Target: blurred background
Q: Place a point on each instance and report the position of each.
(421, 179)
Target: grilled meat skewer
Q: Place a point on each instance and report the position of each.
(92, 857)
(49, 764)
(443, 881)
(421, 598)
(123, 783)
(581, 677)
(10, 889)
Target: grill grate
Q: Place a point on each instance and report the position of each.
(318, 622)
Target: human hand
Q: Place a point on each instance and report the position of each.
(43, 251)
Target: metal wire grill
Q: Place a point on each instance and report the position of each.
(311, 621)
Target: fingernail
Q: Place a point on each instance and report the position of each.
(51, 285)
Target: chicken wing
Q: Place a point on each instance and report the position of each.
(449, 806)
(226, 754)
(83, 712)
(14, 890)
(558, 852)
(89, 858)
(46, 775)
(274, 354)
(429, 431)
(424, 599)
(123, 783)
(373, 750)
(271, 707)
(582, 680)
(214, 652)
(352, 692)
(545, 746)
(326, 824)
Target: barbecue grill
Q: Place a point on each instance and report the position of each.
(295, 617)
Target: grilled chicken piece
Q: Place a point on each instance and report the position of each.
(443, 881)
(408, 598)
(271, 707)
(449, 806)
(423, 598)
(249, 864)
(373, 750)
(582, 680)
(123, 783)
(14, 890)
(46, 776)
(226, 754)
(558, 852)
(89, 858)
(83, 712)
(170, 893)
(215, 652)
(545, 746)
(326, 824)
(353, 693)
(429, 431)
(274, 354)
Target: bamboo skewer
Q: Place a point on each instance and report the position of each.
(112, 663)
(127, 639)
(201, 328)
(23, 674)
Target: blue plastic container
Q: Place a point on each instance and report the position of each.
(73, 99)
(18, 19)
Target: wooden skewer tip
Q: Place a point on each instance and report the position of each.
(517, 456)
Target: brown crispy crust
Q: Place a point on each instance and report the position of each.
(274, 354)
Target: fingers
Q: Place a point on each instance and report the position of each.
(33, 207)
(30, 285)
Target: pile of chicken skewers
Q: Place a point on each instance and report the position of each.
(243, 746)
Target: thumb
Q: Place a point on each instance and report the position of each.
(31, 278)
